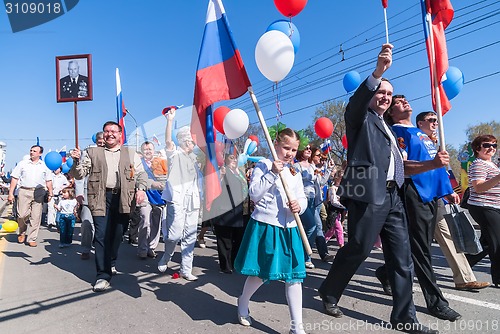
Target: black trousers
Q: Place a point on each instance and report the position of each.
(228, 243)
(488, 219)
(365, 222)
(421, 225)
(108, 236)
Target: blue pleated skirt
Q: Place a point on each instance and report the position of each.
(272, 253)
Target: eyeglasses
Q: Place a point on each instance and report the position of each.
(488, 145)
(317, 155)
(307, 148)
(431, 120)
(111, 131)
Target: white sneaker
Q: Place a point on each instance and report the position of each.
(114, 271)
(310, 265)
(201, 243)
(162, 264)
(100, 285)
(189, 277)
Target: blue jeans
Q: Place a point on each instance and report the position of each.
(66, 227)
(313, 228)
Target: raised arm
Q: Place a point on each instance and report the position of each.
(169, 144)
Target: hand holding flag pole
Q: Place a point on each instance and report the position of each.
(303, 235)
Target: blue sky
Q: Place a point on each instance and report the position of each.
(155, 44)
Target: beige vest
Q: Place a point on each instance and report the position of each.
(96, 184)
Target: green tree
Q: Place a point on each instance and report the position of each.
(334, 110)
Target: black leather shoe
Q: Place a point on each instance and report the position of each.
(445, 313)
(414, 328)
(382, 277)
(331, 308)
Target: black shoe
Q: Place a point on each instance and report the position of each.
(331, 308)
(328, 258)
(414, 328)
(445, 313)
(382, 277)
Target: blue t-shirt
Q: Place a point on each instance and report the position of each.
(431, 184)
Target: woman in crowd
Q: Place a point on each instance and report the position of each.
(313, 179)
(484, 201)
(272, 247)
(233, 209)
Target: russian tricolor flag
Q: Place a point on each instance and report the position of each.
(441, 13)
(121, 112)
(221, 75)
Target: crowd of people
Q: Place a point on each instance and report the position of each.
(392, 188)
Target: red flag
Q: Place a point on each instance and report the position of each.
(441, 13)
(384, 3)
(221, 75)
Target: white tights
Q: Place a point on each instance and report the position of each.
(293, 292)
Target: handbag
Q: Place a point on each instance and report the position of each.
(40, 195)
(462, 230)
(465, 198)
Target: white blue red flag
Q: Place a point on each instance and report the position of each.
(121, 112)
(220, 75)
(155, 140)
(441, 13)
(326, 146)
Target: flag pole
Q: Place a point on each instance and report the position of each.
(386, 26)
(303, 235)
(75, 107)
(437, 95)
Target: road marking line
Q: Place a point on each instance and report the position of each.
(467, 300)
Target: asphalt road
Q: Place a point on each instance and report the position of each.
(48, 290)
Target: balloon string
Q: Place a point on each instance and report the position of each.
(276, 92)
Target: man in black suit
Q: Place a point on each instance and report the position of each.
(74, 84)
(370, 190)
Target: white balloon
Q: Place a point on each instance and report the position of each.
(274, 55)
(235, 123)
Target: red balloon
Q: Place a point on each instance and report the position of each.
(219, 115)
(323, 127)
(290, 8)
(344, 141)
(254, 138)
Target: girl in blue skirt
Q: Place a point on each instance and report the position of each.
(272, 247)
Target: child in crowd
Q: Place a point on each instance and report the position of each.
(67, 208)
(272, 247)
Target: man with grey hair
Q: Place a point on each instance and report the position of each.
(182, 195)
(74, 84)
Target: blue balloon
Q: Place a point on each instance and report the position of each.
(251, 147)
(454, 82)
(69, 162)
(289, 29)
(351, 81)
(255, 159)
(242, 159)
(94, 138)
(53, 160)
(65, 168)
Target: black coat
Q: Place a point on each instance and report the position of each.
(368, 153)
(68, 89)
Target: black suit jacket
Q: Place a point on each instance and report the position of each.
(80, 89)
(368, 153)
